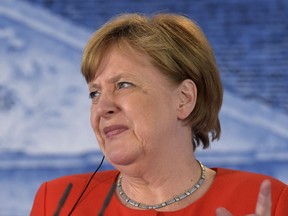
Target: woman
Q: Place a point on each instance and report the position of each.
(156, 95)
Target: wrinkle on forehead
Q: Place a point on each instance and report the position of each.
(125, 50)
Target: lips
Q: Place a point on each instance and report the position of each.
(114, 130)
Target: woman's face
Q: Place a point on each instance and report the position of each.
(134, 107)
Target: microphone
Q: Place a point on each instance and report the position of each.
(63, 199)
(107, 199)
(85, 188)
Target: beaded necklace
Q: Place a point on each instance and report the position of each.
(166, 203)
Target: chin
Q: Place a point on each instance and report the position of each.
(120, 158)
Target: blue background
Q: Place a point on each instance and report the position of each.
(44, 106)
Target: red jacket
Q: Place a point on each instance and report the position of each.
(235, 190)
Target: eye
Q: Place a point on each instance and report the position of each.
(122, 85)
(94, 94)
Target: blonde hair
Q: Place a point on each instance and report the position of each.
(179, 49)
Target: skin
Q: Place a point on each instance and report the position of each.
(138, 115)
(142, 106)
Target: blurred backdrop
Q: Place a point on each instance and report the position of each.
(44, 105)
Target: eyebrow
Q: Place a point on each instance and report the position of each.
(113, 79)
(116, 78)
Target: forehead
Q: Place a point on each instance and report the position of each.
(128, 65)
(120, 59)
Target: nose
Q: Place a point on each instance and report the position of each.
(106, 105)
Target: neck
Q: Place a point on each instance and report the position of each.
(162, 180)
(168, 202)
(175, 157)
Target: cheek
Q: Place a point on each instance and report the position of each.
(93, 119)
(95, 126)
(153, 118)
(143, 120)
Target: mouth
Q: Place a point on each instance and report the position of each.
(114, 130)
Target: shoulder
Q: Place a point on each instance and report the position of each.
(238, 192)
(244, 177)
(243, 183)
(49, 193)
(80, 179)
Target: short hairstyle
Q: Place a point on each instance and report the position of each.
(179, 49)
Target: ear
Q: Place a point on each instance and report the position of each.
(187, 91)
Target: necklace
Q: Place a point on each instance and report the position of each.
(168, 202)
